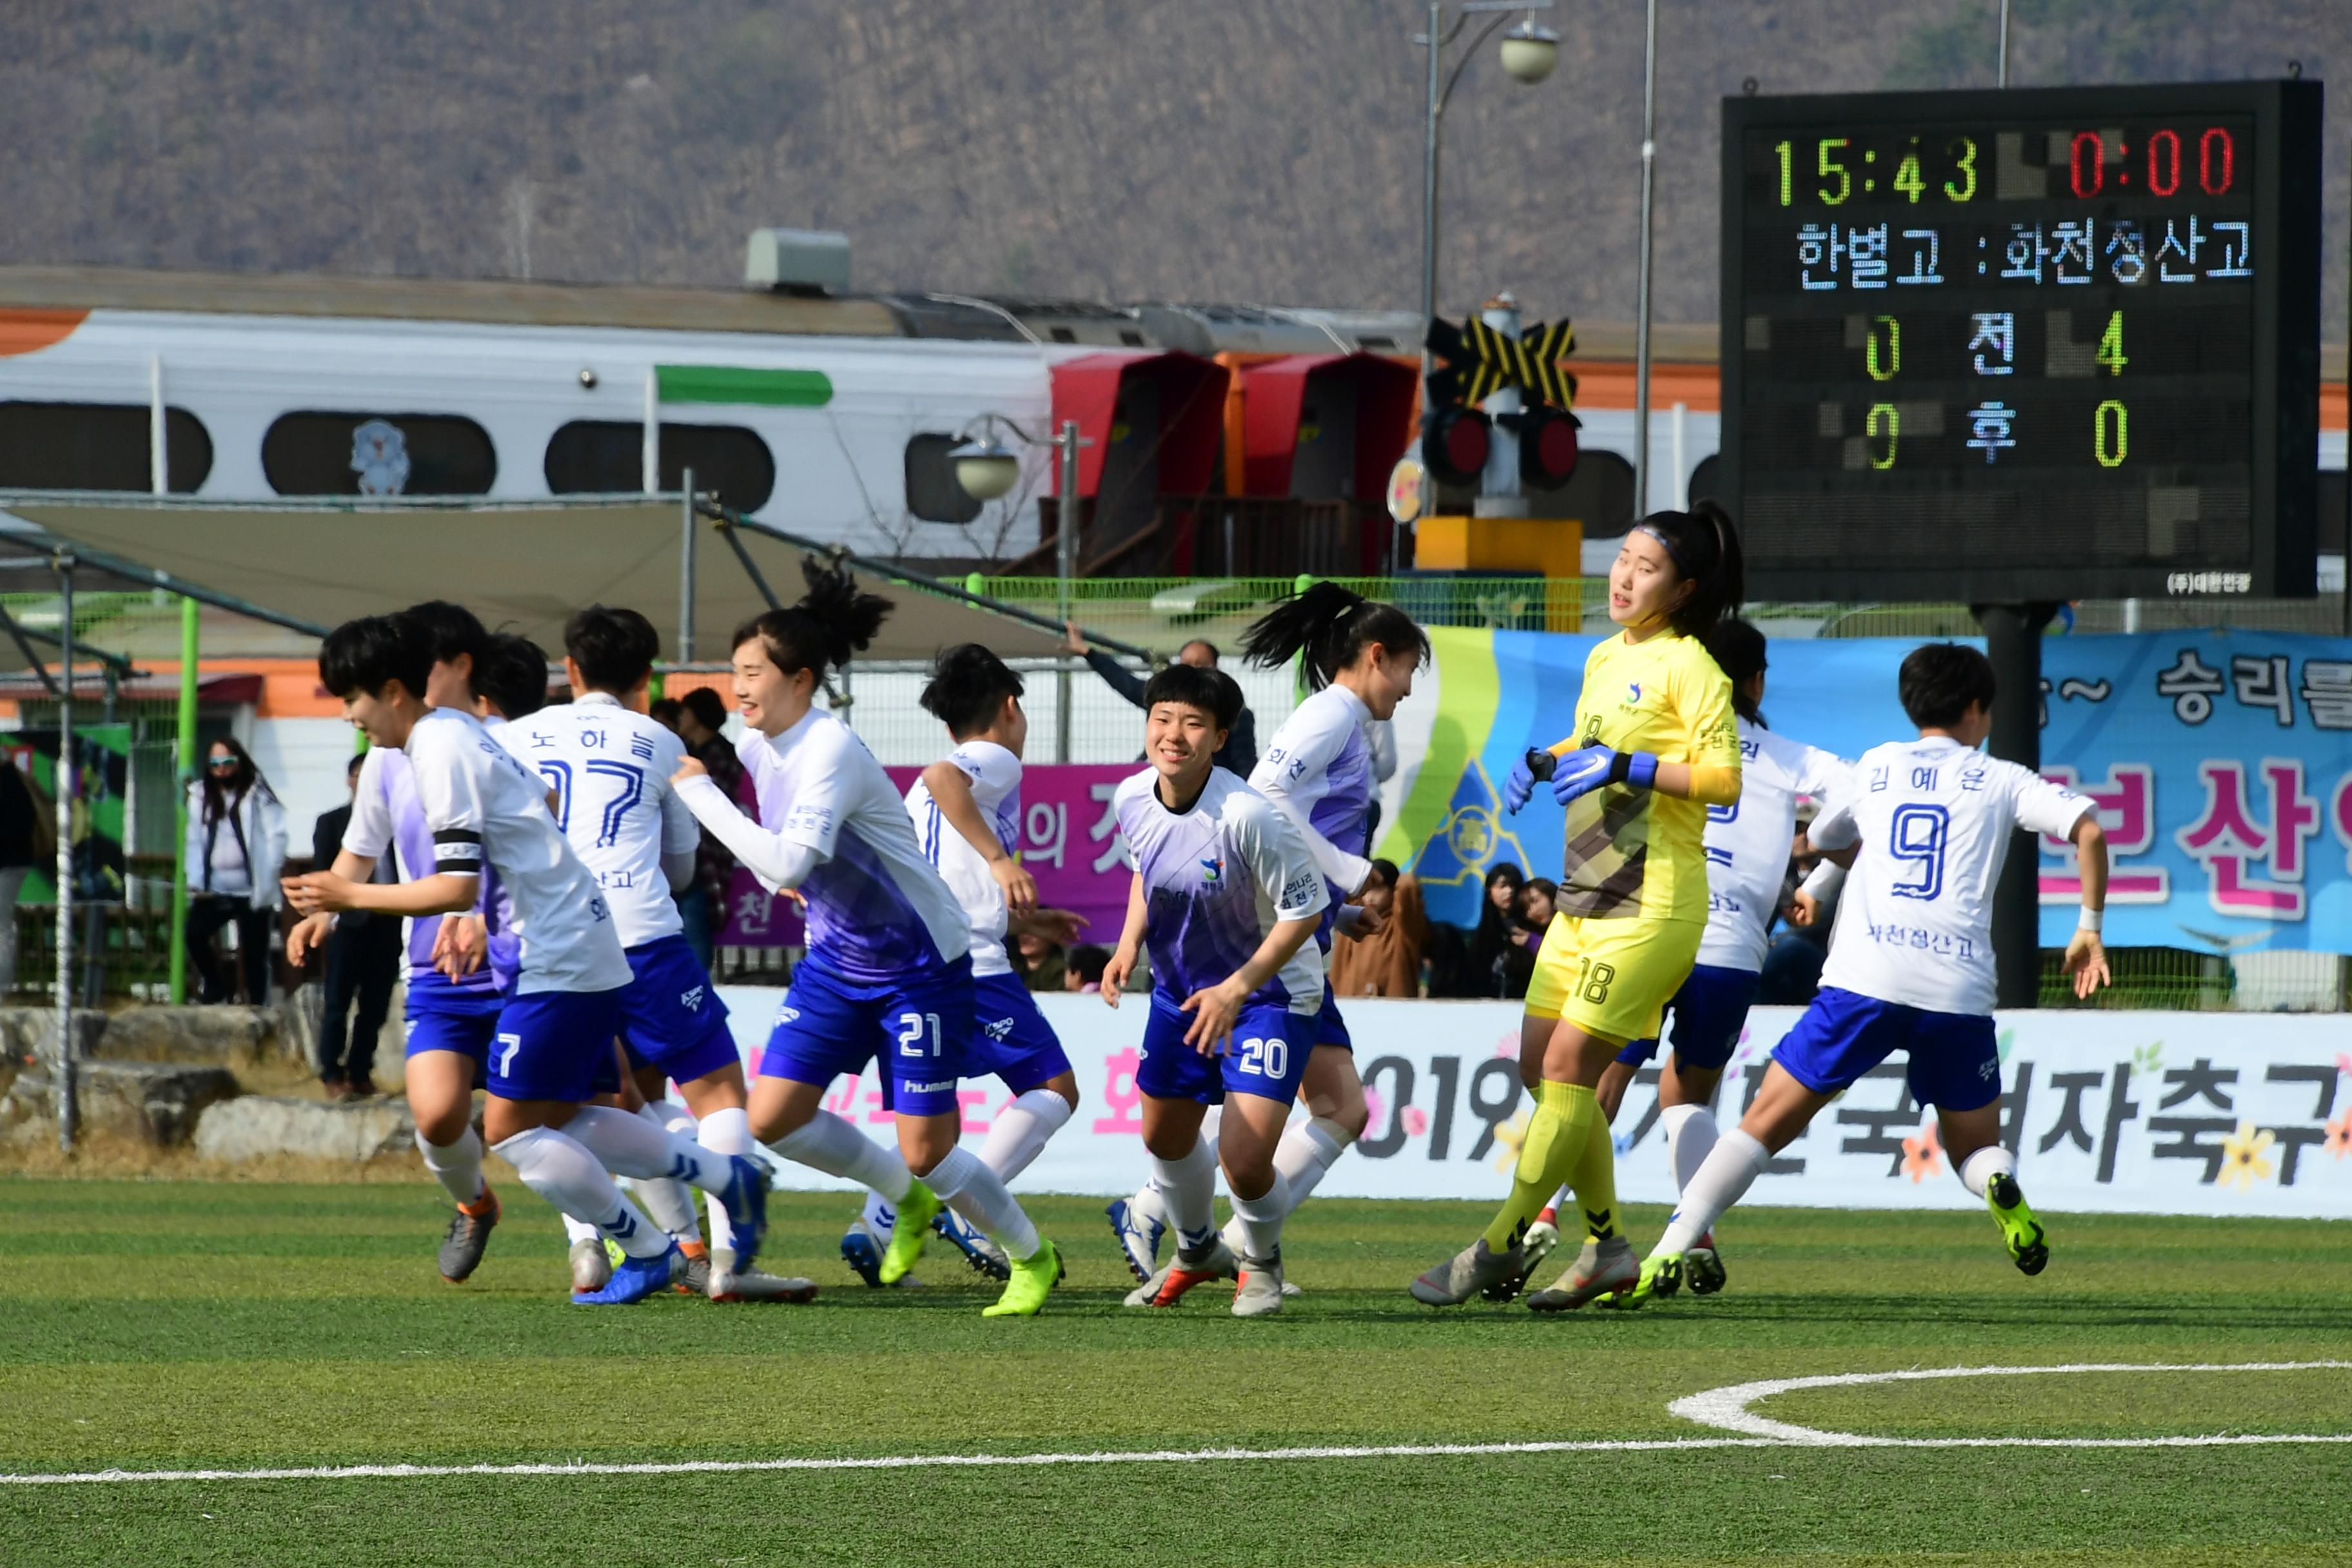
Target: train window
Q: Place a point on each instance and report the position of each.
(607, 457)
(1600, 494)
(97, 447)
(1702, 480)
(932, 492)
(315, 453)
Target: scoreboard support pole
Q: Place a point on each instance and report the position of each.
(2013, 643)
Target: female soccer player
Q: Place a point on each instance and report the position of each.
(889, 948)
(1226, 896)
(1359, 659)
(1655, 744)
(1747, 857)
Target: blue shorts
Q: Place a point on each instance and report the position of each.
(1955, 1060)
(465, 1034)
(672, 1017)
(1266, 1056)
(1010, 1038)
(921, 1025)
(1330, 1029)
(556, 1045)
(1703, 1019)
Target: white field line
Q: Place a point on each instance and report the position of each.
(1725, 1407)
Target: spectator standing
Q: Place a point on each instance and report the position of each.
(28, 835)
(237, 848)
(1386, 960)
(700, 721)
(1239, 755)
(1473, 963)
(363, 962)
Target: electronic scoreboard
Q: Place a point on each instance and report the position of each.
(2034, 344)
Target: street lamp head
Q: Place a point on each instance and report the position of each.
(986, 469)
(1529, 51)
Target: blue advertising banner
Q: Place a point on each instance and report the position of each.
(2221, 763)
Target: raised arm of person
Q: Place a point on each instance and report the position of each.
(1116, 676)
(951, 789)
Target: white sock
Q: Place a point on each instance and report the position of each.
(724, 1132)
(1691, 1134)
(1020, 1132)
(826, 1143)
(456, 1166)
(576, 1231)
(973, 1191)
(1560, 1199)
(1727, 1173)
(630, 1145)
(1305, 1153)
(665, 1198)
(881, 1216)
(561, 1169)
(1979, 1169)
(1188, 1187)
(1261, 1219)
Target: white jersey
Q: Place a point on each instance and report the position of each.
(1747, 842)
(485, 809)
(995, 775)
(610, 770)
(1934, 819)
(1320, 773)
(1217, 878)
(877, 910)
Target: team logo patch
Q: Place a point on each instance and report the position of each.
(787, 1015)
(1633, 694)
(691, 1000)
(1213, 869)
(997, 1028)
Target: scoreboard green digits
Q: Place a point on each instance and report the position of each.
(2039, 344)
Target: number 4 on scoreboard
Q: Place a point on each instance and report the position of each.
(2111, 346)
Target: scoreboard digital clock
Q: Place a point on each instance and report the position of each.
(2037, 344)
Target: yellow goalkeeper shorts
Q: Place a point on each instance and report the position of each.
(1612, 979)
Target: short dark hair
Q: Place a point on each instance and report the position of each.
(665, 712)
(615, 647)
(1737, 649)
(968, 688)
(451, 629)
(1213, 691)
(1384, 873)
(1940, 681)
(512, 673)
(1089, 960)
(368, 654)
(353, 768)
(1214, 657)
(710, 710)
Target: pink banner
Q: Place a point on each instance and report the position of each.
(1069, 842)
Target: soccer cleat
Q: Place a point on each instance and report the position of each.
(1236, 1237)
(984, 1255)
(750, 1285)
(1138, 1223)
(1661, 1277)
(1034, 1278)
(1169, 1282)
(2028, 1246)
(589, 1266)
(693, 1273)
(1260, 1290)
(746, 1198)
(1600, 1268)
(863, 1254)
(1703, 1269)
(1540, 1238)
(634, 1280)
(469, 1233)
(1476, 1270)
(917, 1210)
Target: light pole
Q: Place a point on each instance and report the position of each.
(1642, 464)
(1529, 52)
(987, 469)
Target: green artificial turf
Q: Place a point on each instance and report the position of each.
(184, 1325)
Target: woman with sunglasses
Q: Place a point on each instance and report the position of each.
(237, 846)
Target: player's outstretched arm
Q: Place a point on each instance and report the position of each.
(442, 893)
(2086, 954)
(951, 789)
(782, 864)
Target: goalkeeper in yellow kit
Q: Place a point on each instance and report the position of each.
(1656, 744)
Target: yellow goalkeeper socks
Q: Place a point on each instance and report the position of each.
(1558, 1135)
(1593, 1174)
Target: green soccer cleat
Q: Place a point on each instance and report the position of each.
(916, 1212)
(1661, 1277)
(1034, 1278)
(2028, 1246)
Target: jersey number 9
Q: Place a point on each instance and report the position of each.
(1917, 837)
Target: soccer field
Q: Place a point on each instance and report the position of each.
(235, 1327)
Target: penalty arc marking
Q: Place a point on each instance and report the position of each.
(1726, 1409)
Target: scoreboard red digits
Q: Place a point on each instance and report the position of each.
(2036, 344)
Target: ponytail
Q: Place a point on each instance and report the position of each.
(1330, 626)
(831, 622)
(1705, 548)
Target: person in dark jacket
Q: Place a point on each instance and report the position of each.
(362, 963)
(1239, 755)
(28, 837)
